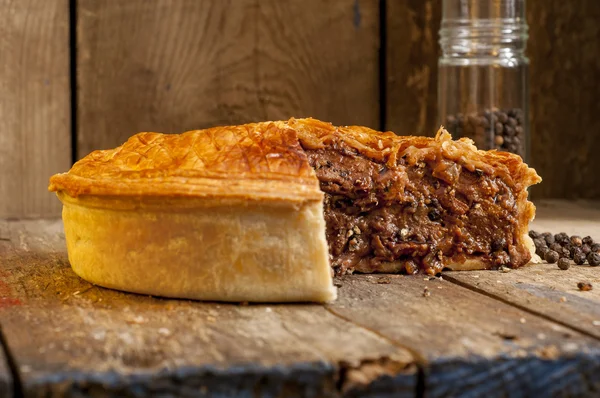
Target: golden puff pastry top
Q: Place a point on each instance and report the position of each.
(261, 161)
(258, 160)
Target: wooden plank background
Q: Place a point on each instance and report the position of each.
(176, 65)
(565, 96)
(35, 132)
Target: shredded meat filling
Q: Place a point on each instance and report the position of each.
(413, 218)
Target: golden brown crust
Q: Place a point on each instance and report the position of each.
(390, 147)
(259, 160)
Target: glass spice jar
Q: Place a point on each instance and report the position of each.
(483, 73)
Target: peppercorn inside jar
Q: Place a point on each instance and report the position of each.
(494, 128)
(483, 73)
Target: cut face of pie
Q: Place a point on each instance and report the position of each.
(261, 212)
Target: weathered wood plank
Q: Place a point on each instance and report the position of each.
(69, 337)
(175, 66)
(470, 344)
(411, 64)
(564, 77)
(34, 106)
(545, 289)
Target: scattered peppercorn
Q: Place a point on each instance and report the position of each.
(548, 237)
(551, 257)
(594, 259)
(564, 252)
(534, 234)
(574, 250)
(553, 248)
(564, 263)
(579, 258)
(561, 238)
(584, 286)
(539, 243)
(576, 240)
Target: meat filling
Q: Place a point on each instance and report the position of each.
(413, 218)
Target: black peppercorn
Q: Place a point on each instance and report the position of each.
(434, 215)
(584, 286)
(555, 246)
(498, 244)
(565, 252)
(551, 256)
(539, 242)
(543, 252)
(579, 258)
(534, 234)
(594, 259)
(564, 263)
(595, 248)
(588, 240)
(576, 240)
(586, 249)
(490, 129)
(548, 237)
(574, 250)
(561, 238)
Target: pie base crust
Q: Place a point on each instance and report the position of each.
(211, 249)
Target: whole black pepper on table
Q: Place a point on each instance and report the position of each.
(561, 248)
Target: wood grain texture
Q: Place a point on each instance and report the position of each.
(72, 338)
(34, 106)
(564, 77)
(412, 54)
(175, 66)
(469, 344)
(544, 289)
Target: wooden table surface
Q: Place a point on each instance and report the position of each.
(528, 332)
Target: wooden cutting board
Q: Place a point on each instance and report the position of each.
(528, 332)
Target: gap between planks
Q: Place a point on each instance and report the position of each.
(419, 361)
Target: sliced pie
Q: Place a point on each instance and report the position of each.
(259, 212)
